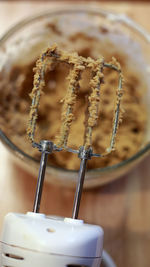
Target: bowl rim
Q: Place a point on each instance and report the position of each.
(57, 11)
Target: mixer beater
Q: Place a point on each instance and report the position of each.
(48, 60)
(34, 239)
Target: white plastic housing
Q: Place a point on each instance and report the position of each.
(34, 240)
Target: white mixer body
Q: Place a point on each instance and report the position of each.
(35, 240)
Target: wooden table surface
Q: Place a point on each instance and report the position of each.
(122, 207)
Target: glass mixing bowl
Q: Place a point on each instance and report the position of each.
(24, 42)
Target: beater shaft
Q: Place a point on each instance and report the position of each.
(79, 188)
(46, 147)
(84, 155)
(39, 188)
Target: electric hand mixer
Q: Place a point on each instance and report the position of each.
(34, 239)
